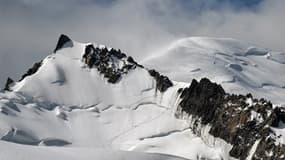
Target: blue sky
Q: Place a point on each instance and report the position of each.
(29, 28)
(200, 6)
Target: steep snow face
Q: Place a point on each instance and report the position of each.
(240, 67)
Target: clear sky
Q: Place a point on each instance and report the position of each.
(29, 28)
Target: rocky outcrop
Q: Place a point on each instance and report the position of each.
(32, 70)
(280, 113)
(240, 120)
(8, 84)
(113, 64)
(202, 99)
(131, 60)
(62, 41)
(109, 62)
(269, 149)
(162, 82)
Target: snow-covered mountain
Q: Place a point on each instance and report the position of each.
(99, 103)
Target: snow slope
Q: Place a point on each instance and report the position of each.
(25, 152)
(66, 104)
(240, 67)
(65, 80)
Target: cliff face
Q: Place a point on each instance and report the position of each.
(240, 120)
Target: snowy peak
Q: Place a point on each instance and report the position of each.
(88, 95)
(79, 71)
(63, 42)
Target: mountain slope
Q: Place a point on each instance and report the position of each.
(240, 67)
(64, 79)
(8, 150)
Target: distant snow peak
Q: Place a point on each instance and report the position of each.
(239, 66)
(63, 42)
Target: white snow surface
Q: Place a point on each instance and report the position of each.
(69, 111)
(25, 152)
(240, 67)
(67, 108)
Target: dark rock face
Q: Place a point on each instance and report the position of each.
(268, 149)
(8, 84)
(32, 70)
(242, 124)
(106, 61)
(162, 82)
(63, 39)
(239, 120)
(90, 57)
(131, 60)
(280, 113)
(202, 98)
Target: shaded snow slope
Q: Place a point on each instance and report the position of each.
(240, 67)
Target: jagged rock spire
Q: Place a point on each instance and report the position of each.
(62, 42)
